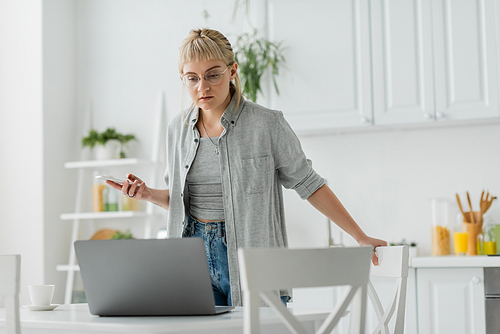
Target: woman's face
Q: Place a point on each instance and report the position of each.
(210, 97)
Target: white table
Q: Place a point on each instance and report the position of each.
(76, 318)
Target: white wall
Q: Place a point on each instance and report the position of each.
(385, 179)
(21, 138)
(59, 128)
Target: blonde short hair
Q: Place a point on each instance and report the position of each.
(209, 44)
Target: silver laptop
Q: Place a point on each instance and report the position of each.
(143, 277)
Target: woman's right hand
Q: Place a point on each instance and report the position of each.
(131, 189)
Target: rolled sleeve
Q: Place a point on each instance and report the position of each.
(308, 186)
(295, 171)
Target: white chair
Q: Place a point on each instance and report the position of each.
(10, 267)
(393, 263)
(264, 271)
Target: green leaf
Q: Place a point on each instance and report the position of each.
(95, 137)
(122, 235)
(255, 56)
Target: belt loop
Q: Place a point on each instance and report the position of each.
(219, 229)
(191, 227)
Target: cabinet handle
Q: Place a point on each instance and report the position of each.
(439, 114)
(428, 115)
(365, 120)
(476, 280)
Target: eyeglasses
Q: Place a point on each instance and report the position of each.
(212, 77)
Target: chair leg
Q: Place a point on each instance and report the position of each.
(251, 323)
(358, 312)
(13, 325)
(293, 325)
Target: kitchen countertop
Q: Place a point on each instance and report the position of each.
(452, 261)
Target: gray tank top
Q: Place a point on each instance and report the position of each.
(204, 183)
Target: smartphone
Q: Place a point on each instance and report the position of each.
(119, 181)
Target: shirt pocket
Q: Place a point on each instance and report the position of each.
(256, 175)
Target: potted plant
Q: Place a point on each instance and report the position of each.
(413, 246)
(109, 144)
(254, 56)
(122, 235)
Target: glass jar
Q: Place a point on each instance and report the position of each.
(97, 194)
(480, 243)
(440, 232)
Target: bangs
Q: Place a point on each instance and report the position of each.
(199, 49)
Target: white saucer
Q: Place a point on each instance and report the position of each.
(41, 308)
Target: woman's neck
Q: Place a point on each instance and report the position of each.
(212, 117)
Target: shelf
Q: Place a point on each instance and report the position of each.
(65, 267)
(105, 163)
(103, 215)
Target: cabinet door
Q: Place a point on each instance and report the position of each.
(451, 301)
(326, 83)
(403, 89)
(465, 59)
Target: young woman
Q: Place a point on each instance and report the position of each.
(227, 160)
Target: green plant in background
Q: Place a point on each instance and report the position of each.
(100, 138)
(403, 242)
(122, 235)
(92, 139)
(254, 56)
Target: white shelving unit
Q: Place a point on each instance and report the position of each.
(85, 167)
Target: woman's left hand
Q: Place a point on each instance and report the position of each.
(374, 243)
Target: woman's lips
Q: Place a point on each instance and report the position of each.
(206, 98)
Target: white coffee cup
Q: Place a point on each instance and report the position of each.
(41, 295)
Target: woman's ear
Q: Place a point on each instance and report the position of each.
(234, 69)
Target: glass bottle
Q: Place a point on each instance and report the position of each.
(98, 187)
(460, 237)
(480, 242)
(490, 242)
(112, 199)
(492, 218)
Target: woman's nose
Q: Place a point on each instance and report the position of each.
(203, 85)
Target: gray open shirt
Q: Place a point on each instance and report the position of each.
(259, 152)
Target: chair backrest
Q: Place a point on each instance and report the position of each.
(393, 263)
(264, 271)
(10, 267)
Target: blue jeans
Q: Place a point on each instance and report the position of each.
(214, 238)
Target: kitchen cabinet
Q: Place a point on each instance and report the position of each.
(451, 300)
(385, 62)
(434, 60)
(327, 80)
(403, 82)
(465, 55)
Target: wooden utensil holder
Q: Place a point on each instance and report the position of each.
(473, 230)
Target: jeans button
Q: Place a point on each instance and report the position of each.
(208, 227)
